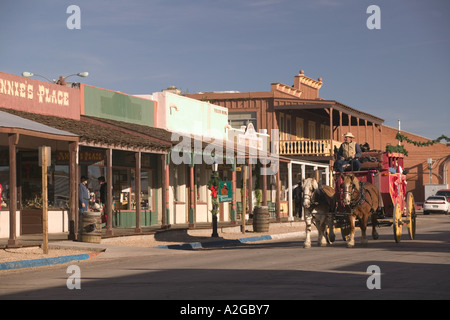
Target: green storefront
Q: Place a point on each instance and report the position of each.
(122, 111)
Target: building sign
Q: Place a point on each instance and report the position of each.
(107, 104)
(28, 91)
(40, 97)
(225, 191)
(85, 156)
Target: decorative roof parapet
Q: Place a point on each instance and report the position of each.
(286, 89)
(301, 78)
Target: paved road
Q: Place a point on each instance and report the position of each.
(412, 269)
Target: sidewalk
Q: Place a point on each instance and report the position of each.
(126, 244)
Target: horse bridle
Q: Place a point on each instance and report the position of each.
(309, 195)
(353, 204)
(361, 199)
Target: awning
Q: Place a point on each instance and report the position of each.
(98, 133)
(11, 121)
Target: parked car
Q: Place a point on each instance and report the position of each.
(444, 192)
(436, 204)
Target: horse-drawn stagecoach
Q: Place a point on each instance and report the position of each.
(378, 192)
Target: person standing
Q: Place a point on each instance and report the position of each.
(83, 196)
(298, 199)
(103, 201)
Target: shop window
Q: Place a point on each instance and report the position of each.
(4, 187)
(201, 181)
(122, 189)
(179, 183)
(30, 183)
(147, 196)
(124, 194)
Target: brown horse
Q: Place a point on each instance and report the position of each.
(363, 201)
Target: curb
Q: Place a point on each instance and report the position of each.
(45, 261)
(221, 243)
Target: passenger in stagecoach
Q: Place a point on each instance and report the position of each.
(349, 153)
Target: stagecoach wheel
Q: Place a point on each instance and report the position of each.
(410, 216)
(397, 222)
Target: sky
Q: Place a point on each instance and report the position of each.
(397, 72)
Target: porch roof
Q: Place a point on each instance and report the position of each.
(17, 123)
(321, 104)
(98, 134)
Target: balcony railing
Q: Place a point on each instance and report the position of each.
(320, 147)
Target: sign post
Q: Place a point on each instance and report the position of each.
(45, 160)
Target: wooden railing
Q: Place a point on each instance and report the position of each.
(320, 147)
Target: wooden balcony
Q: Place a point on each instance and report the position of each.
(307, 147)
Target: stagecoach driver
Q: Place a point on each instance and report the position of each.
(349, 153)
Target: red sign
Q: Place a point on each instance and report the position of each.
(24, 94)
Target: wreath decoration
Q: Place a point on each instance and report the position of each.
(213, 186)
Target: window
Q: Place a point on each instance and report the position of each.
(299, 128)
(201, 182)
(288, 127)
(4, 183)
(238, 119)
(324, 131)
(281, 127)
(311, 130)
(179, 183)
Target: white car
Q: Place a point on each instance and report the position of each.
(436, 204)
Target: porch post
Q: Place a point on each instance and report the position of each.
(109, 196)
(13, 140)
(250, 187)
(73, 200)
(277, 196)
(291, 217)
(233, 187)
(137, 192)
(165, 189)
(192, 217)
(264, 181)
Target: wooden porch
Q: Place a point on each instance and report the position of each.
(307, 147)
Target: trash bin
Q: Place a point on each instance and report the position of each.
(261, 219)
(91, 227)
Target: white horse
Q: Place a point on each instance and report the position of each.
(319, 204)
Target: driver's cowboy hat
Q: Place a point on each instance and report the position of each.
(349, 134)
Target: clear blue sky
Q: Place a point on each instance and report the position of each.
(398, 72)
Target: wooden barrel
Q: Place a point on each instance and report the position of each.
(91, 227)
(261, 219)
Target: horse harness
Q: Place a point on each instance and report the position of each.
(361, 199)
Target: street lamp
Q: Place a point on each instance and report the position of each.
(62, 79)
(213, 185)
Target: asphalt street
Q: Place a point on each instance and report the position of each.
(265, 270)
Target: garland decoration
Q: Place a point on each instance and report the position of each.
(402, 138)
(396, 149)
(401, 149)
(213, 186)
